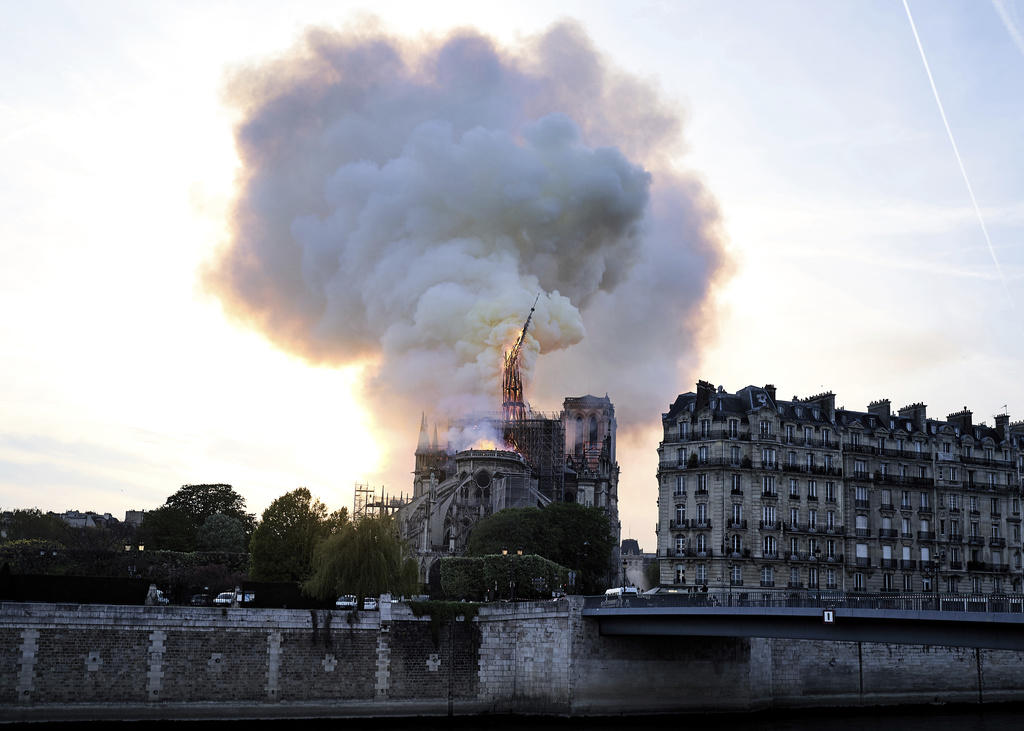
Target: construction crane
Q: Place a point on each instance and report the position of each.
(513, 407)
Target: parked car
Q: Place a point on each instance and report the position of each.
(224, 599)
(347, 601)
(200, 600)
(369, 603)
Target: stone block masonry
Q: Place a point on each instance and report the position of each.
(66, 662)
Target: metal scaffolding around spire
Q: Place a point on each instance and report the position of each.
(513, 406)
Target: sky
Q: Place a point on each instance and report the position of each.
(859, 260)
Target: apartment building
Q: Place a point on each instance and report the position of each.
(757, 492)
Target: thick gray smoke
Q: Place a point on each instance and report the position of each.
(402, 204)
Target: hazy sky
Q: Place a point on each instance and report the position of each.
(860, 262)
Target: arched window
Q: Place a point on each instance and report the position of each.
(578, 448)
(593, 431)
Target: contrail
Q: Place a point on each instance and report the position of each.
(1011, 27)
(956, 152)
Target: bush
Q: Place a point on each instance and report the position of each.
(499, 576)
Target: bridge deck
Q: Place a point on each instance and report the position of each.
(976, 623)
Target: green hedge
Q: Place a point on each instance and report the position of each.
(482, 578)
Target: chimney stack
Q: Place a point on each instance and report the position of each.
(882, 408)
(770, 388)
(917, 414)
(962, 419)
(1003, 425)
(704, 393)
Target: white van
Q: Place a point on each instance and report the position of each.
(620, 595)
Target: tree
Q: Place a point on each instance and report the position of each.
(652, 572)
(33, 523)
(569, 534)
(221, 533)
(168, 529)
(366, 559)
(281, 547)
(199, 502)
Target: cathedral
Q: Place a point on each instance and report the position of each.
(565, 457)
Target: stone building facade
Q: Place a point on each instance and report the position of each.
(757, 492)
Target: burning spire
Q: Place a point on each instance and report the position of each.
(513, 406)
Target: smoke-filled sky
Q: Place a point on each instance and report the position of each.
(246, 243)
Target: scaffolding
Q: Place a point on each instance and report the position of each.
(541, 441)
(366, 504)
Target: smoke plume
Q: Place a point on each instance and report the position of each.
(401, 204)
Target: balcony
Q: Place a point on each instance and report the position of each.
(701, 491)
(862, 503)
(769, 525)
(976, 541)
(677, 524)
(987, 461)
(956, 538)
(862, 532)
(928, 565)
(924, 511)
(888, 563)
(926, 535)
(997, 542)
(956, 566)
(835, 530)
(995, 516)
(735, 582)
(888, 479)
(887, 533)
(736, 491)
(907, 535)
(887, 506)
(769, 494)
(737, 525)
(908, 564)
(864, 562)
(767, 584)
(771, 555)
(697, 524)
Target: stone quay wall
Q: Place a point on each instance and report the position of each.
(85, 662)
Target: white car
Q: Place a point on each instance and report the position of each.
(347, 601)
(224, 599)
(369, 603)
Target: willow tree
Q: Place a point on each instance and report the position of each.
(365, 558)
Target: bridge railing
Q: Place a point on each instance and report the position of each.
(1012, 603)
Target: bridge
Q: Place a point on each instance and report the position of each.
(958, 620)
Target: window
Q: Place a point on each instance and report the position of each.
(794, 517)
(812, 490)
(828, 462)
(768, 485)
(976, 584)
(680, 514)
(701, 544)
(766, 428)
(975, 532)
(887, 498)
(924, 500)
(862, 554)
(794, 546)
(973, 504)
(905, 502)
(736, 576)
(886, 523)
(883, 469)
(825, 436)
(862, 522)
(945, 448)
(858, 581)
(705, 428)
(812, 519)
(906, 554)
(702, 454)
(830, 519)
(812, 577)
(794, 577)
(794, 490)
(830, 492)
(789, 433)
(955, 502)
(886, 582)
(925, 554)
(830, 549)
(768, 514)
(860, 469)
(926, 584)
(768, 457)
(684, 430)
(734, 483)
(702, 483)
(810, 461)
(736, 544)
(680, 574)
(922, 472)
(680, 545)
(702, 512)
(993, 506)
(830, 579)
(905, 527)
(954, 528)
(737, 512)
(734, 455)
(767, 576)
(734, 428)
(908, 582)
(995, 531)
(680, 488)
(808, 434)
(862, 495)
(886, 554)
(953, 474)
(769, 546)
